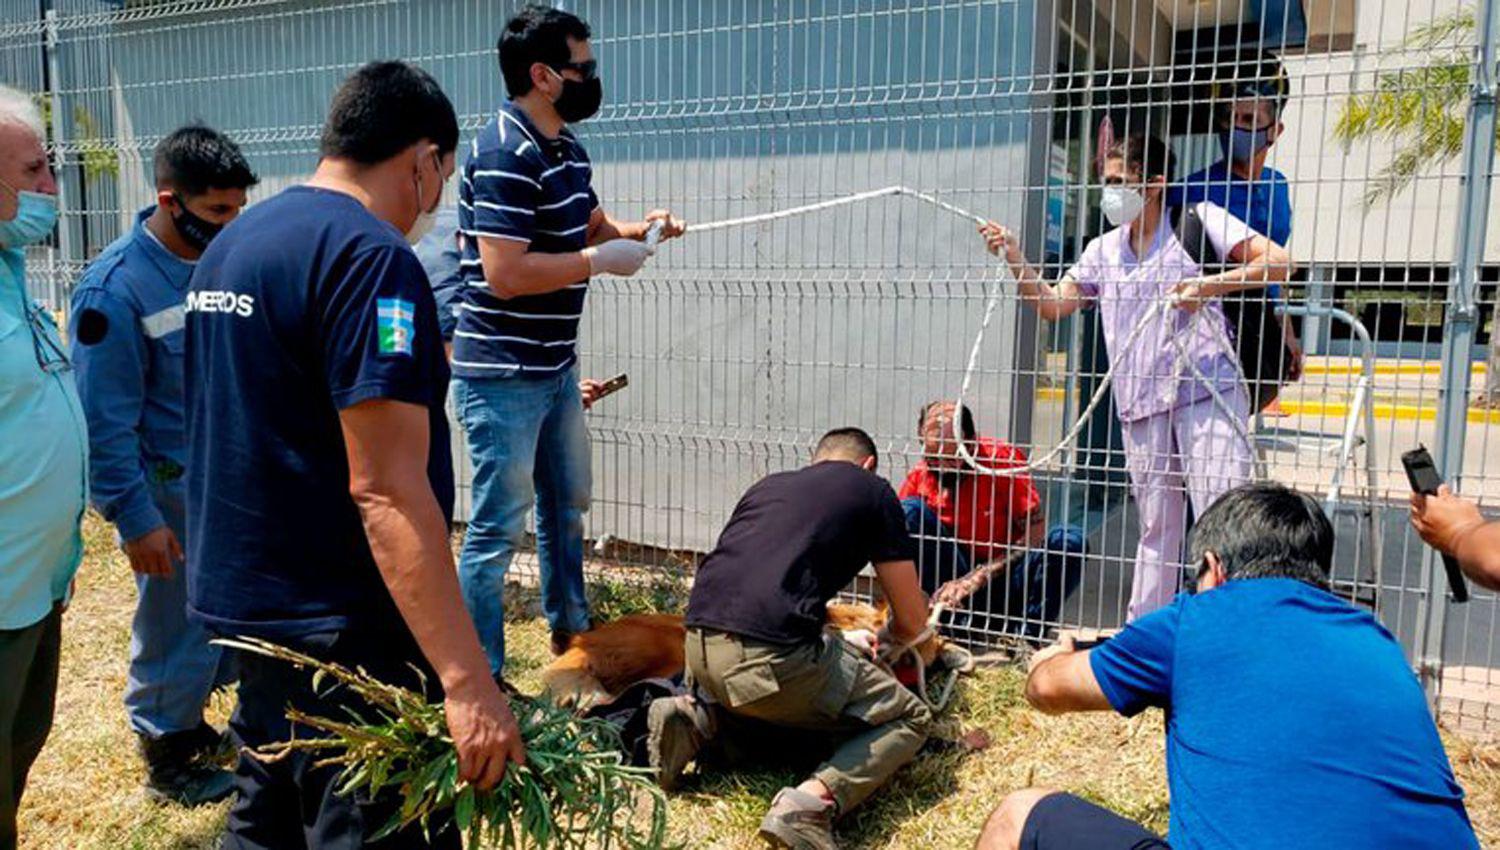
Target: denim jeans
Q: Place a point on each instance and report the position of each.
(528, 444)
(173, 667)
(1032, 592)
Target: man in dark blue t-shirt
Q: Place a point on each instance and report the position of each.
(319, 480)
(533, 233)
(1293, 718)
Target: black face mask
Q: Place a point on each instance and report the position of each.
(579, 100)
(194, 230)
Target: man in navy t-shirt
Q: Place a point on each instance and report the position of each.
(533, 233)
(319, 480)
(1293, 718)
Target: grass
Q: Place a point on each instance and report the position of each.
(84, 791)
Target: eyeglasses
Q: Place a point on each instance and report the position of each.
(50, 357)
(588, 70)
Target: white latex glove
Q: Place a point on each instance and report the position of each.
(623, 257)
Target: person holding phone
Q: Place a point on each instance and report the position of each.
(1453, 526)
(591, 390)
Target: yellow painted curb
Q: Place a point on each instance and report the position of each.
(1339, 410)
(1384, 412)
(1383, 369)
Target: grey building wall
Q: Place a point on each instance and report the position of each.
(742, 345)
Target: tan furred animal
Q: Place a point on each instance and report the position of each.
(601, 663)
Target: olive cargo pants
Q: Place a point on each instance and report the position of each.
(826, 686)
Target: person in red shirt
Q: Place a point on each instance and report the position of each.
(971, 527)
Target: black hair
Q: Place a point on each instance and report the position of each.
(967, 430)
(849, 442)
(1252, 73)
(1267, 530)
(194, 159)
(1147, 155)
(384, 108)
(536, 34)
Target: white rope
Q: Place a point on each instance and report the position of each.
(1166, 303)
(792, 212)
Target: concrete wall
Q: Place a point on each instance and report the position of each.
(1418, 226)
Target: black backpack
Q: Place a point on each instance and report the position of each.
(1259, 338)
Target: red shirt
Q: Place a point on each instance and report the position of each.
(981, 508)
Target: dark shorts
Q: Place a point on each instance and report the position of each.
(1065, 822)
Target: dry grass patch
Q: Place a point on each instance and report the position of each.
(85, 789)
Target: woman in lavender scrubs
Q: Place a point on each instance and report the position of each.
(1179, 442)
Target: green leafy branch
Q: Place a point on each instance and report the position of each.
(1422, 110)
(575, 790)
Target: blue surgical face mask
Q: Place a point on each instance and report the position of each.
(36, 216)
(1242, 145)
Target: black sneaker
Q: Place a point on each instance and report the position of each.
(209, 746)
(800, 821)
(560, 641)
(676, 729)
(174, 774)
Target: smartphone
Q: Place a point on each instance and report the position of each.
(613, 385)
(1422, 473)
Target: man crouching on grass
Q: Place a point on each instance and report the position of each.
(756, 644)
(1293, 718)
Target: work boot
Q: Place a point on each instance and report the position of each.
(676, 729)
(560, 641)
(800, 821)
(174, 774)
(209, 746)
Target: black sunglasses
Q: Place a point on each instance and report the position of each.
(588, 70)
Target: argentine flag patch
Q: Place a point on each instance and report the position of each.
(397, 324)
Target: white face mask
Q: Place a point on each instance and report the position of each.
(1121, 205)
(421, 227)
(425, 219)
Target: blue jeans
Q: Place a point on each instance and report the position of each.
(1031, 594)
(528, 444)
(173, 667)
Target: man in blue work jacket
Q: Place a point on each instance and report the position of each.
(1248, 106)
(127, 333)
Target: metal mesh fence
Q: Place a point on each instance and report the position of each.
(744, 345)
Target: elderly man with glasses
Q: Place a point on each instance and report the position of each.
(43, 461)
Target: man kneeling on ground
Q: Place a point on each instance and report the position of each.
(1293, 718)
(756, 645)
(971, 527)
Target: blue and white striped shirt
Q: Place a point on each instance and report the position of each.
(519, 185)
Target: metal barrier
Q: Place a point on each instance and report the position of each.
(744, 345)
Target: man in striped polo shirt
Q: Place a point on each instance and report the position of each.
(533, 234)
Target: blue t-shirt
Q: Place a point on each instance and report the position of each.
(1293, 720)
(521, 186)
(1265, 203)
(306, 305)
